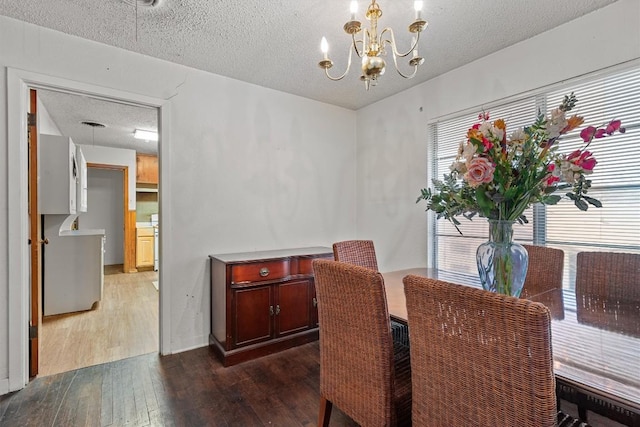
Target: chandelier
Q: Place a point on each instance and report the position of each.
(371, 47)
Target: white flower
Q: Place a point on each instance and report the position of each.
(571, 172)
(468, 152)
(458, 166)
(489, 131)
(556, 123)
(518, 136)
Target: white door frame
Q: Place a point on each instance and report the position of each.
(18, 84)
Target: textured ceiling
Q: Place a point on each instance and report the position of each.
(120, 120)
(276, 43)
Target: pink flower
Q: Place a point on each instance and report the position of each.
(583, 160)
(479, 171)
(614, 126)
(587, 133)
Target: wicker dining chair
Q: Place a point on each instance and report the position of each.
(356, 252)
(608, 291)
(362, 370)
(478, 358)
(362, 253)
(544, 278)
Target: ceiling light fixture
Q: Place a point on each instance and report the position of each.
(147, 135)
(143, 3)
(93, 126)
(372, 45)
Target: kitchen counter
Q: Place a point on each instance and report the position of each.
(88, 232)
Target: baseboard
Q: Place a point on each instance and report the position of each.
(189, 344)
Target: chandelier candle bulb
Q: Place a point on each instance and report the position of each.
(324, 47)
(354, 9)
(417, 5)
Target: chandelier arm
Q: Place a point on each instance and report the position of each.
(392, 43)
(406, 76)
(326, 70)
(355, 46)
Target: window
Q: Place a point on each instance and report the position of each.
(615, 181)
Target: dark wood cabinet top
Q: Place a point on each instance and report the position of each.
(273, 254)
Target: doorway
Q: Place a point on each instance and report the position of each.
(123, 322)
(18, 84)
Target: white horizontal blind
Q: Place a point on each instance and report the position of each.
(615, 181)
(455, 252)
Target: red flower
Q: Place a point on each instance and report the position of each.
(552, 180)
(487, 144)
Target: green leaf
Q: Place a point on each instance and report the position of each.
(592, 201)
(581, 204)
(551, 199)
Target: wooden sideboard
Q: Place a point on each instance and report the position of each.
(263, 302)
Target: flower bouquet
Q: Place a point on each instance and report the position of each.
(498, 176)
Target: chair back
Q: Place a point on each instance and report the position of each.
(356, 252)
(478, 358)
(608, 291)
(356, 348)
(544, 278)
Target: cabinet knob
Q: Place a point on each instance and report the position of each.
(277, 309)
(264, 272)
(315, 302)
(271, 310)
(45, 241)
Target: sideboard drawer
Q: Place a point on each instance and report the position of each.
(305, 264)
(259, 271)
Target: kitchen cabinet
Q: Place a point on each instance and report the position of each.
(58, 175)
(145, 247)
(262, 302)
(83, 182)
(146, 169)
(73, 266)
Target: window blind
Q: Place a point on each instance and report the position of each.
(615, 181)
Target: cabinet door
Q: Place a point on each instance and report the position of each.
(144, 251)
(293, 312)
(146, 169)
(252, 312)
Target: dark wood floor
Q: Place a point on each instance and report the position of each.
(185, 389)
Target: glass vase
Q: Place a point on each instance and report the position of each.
(502, 263)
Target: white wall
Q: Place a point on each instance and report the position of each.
(105, 211)
(248, 168)
(46, 124)
(115, 157)
(392, 134)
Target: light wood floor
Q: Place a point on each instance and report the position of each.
(124, 324)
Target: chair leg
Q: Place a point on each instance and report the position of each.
(325, 412)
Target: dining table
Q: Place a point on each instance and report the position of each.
(596, 363)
